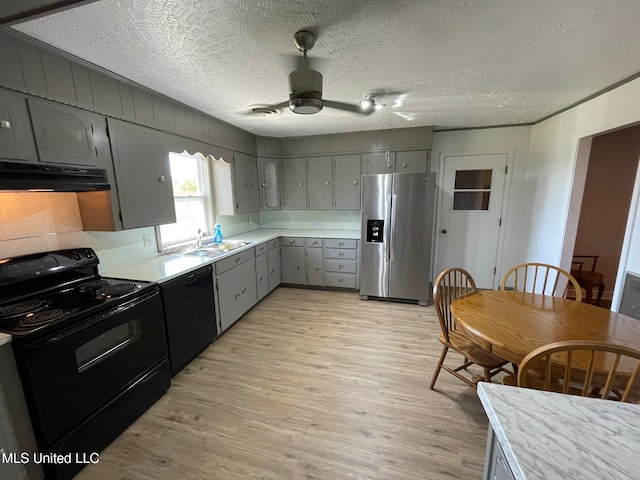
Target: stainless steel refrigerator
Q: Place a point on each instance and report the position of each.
(397, 233)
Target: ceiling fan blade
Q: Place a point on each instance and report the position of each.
(349, 107)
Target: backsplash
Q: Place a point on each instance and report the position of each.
(32, 222)
(312, 219)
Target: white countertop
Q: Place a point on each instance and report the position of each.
(547, 436)
(165, 267)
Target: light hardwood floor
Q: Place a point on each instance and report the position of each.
(310, 385)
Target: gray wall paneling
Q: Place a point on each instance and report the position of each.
(43, 72)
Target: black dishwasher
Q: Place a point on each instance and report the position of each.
(190, 316)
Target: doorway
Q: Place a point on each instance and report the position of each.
(604, 210)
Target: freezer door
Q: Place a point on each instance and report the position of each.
(411, 236)
(376, 208)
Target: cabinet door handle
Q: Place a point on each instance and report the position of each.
(292, 242)
(340, 266)
(340, 280)
(259, 279)
(340, 244)
(355, 182)
(237, 259)
(299, 267)
(271, 271)
(404, 165)
(264, 184)
(162, 179)
(315, 242)
(326, 184)
(341, 254)
(246, 184)
(236, 295)
(301, 184)
(317, 269)
(5, 124)
(244, 290)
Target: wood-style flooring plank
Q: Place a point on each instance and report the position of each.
(310, 385)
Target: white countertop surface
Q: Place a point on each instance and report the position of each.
(165, 267)
(548, 436)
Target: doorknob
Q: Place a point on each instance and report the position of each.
(443, 231)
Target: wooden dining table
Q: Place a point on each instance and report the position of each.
(514, 323)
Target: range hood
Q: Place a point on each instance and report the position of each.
(51, 178)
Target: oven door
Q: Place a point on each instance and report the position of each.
(71, 374)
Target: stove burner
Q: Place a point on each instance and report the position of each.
(20, 309)
(39, 318)
(92, 286)
(117, 290)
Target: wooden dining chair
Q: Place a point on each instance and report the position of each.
(451, 284)
(541, 278)
(583, 367)
(588, 278)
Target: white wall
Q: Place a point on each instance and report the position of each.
(553, 162)
(515, 142)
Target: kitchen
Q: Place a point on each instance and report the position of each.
(543, 158)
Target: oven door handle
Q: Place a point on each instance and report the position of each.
(101, 317)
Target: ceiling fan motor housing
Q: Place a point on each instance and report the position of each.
(305, 91)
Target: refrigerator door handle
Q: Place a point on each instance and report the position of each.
(392, 229)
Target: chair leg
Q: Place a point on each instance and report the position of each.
(588, 296)
(600, 292)
(445, 349)
(487, 375)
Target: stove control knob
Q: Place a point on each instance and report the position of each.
(76, 256)
(88, 254)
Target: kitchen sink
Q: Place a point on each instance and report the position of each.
(215, 249)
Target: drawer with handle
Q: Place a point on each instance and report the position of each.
(292, 242)
(340, 266)
(340, 243)
(261, 248)
(341, 253)
(273, 243)
(313, 242)
(338, 280)
(234, 260)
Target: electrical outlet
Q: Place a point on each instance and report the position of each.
(343, 218)
(146, 239)
(298, 218)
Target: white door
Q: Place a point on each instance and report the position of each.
(470, 215)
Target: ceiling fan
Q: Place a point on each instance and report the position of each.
(305, 86)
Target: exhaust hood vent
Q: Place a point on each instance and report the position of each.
(51, 178)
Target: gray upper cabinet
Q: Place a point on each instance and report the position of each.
(294, 180)
(16, 141)
(143, 174)
(320, 183)
(64, 134)
(246, 180)
(412, 161)
(269, 184)
(346, 180)
(381, 162)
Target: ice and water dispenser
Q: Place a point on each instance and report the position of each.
(375, 230)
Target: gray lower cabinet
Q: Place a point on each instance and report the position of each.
(262, 271)
(341, 262)
(236, 287)
(294, 265)
(143, 173)
(16, 140)
(315, 268)
(496, 466)
(65, 134)
(274, 261)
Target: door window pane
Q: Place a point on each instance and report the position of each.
(472, 189)
(473, 179)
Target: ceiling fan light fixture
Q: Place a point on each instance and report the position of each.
(305, 105)
(367, 103)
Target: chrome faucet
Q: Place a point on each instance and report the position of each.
(199, 236)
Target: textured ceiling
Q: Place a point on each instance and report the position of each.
(452, 64)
